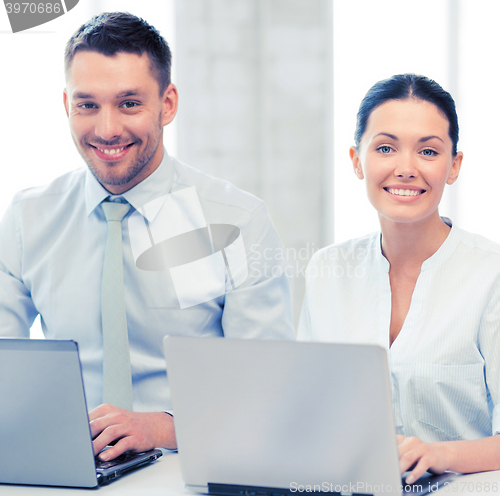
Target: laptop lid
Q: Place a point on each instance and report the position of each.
(45, 436)
(257, 417)
(44, 429)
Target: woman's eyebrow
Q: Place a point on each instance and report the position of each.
(421, 140)
(387, 134)
(427, 138)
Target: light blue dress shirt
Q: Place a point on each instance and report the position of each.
(445, 362)
(52, 243)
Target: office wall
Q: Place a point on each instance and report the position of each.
(255, 85)
(373, 41)
(479, 107)
(456, 43)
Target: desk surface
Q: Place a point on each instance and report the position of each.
(163, 478)
(160, 478)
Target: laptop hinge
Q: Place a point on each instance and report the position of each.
(240, 490)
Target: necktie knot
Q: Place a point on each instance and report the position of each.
(114, 211)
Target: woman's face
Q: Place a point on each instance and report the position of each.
(405, 155)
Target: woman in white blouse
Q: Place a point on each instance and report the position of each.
(423, 288)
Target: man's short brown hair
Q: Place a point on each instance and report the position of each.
(114, 32)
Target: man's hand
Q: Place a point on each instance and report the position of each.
(132, 431)
(417, 456)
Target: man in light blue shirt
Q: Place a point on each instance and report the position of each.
(193, 246)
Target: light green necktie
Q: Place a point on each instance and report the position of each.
(117, 387)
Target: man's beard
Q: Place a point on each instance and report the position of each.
(132, 171)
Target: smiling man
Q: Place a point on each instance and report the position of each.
(117, 111)
(56, 256)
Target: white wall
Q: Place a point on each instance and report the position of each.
(479, 44)
(373, 41)
(454, 42)
(255, 86)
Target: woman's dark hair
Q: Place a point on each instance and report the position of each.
(114, 32)
(403, 87)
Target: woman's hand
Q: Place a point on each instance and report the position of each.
(420, 457)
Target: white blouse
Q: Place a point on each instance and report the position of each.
(445, 362)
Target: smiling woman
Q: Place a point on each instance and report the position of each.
(405, 155)
(423, 288)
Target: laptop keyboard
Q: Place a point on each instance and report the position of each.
(428, 483)
(116, 461)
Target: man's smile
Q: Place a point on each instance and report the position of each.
(111, 153)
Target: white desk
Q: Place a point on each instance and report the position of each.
(473, 485)
(163, 478)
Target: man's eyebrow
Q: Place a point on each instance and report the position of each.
(124, 94)
(82, 96)
(427, 138)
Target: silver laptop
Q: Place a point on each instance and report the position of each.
(44, 429)
(257, 418)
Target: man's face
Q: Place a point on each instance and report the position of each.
(116, 116)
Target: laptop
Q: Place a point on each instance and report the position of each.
(267, 418)
(44, 429)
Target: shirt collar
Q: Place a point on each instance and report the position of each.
(442, 254)
(445, 250)
(155, 187)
